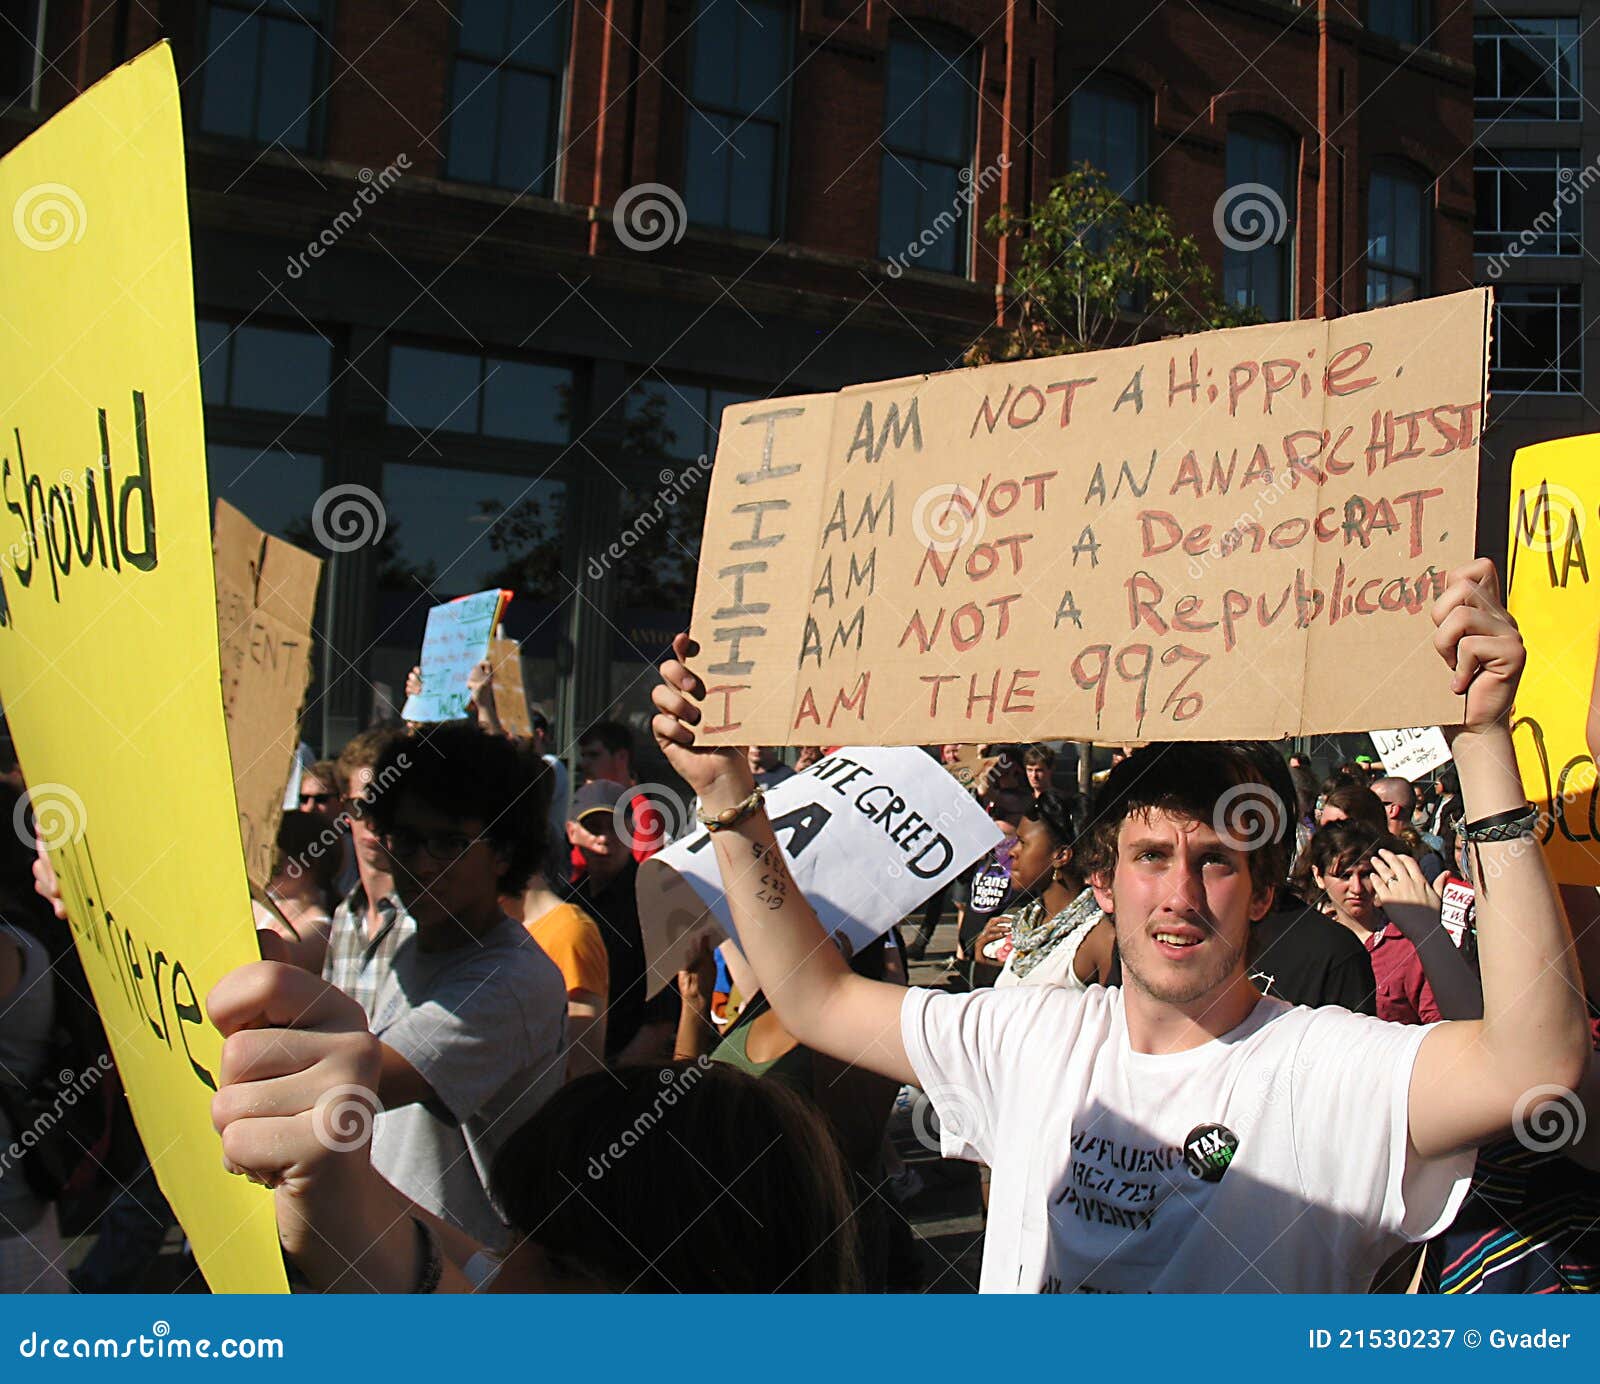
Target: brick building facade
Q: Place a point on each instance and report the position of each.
(413, 275)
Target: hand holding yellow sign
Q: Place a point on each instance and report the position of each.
(108, 647)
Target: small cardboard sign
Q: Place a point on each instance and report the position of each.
(1411, 753)
(455, 641)
(266, 598)
(510, 696)
(869, 835)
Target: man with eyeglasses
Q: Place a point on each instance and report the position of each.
(471, 1013)
(370, 922)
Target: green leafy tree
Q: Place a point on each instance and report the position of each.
(1093, 269)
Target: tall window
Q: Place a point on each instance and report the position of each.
(738, 100)
(505, 93)
(261, 78)
(1108, 123)
(1529, 198)
(928, 149)
(1527, 69)
(1258, 263)
(1404, 20)
(1397, 238)
(1538, 339)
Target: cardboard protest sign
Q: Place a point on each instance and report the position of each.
(971, 768)
(109, 668)
(1187, 539)
(455, 640)
(1555, 595)
(266, 597)
(868, 836)
(1411, 753)
(510, 696)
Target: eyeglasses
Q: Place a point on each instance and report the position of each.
(442, 847)
(318, 799)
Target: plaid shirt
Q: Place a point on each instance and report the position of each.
(355, 964)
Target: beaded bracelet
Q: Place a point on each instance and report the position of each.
(732, 816)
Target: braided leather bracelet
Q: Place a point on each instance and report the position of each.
(731, 816)
(1503, 826)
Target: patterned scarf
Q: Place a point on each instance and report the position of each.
(1034, 936)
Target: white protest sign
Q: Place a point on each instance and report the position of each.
(1409, 754)
(869, 834)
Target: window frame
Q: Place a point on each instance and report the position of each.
(1262, 127)
(272, 11)
(1569, 299)
(1423, 275)
(950, 43)
(1481, 23)
(1421, 17)
(506, 61)
(696, 108)
(1500, 162)
(1115, 87)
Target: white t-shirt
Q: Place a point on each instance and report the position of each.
(1091, 1190)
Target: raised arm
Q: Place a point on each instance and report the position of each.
(1472, 1078)
(816, 996)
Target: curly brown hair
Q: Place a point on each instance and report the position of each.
(1196, 780)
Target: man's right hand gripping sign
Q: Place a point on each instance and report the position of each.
(1181, 1132)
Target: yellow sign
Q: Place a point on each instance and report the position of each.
(108, 631)
(1554, 591)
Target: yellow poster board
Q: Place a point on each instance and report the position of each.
(1553, 581)
(109, 667)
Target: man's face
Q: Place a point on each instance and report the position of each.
(1182, 901)
(597, 762)
(1398, 802)
(443, 869)
(605, 853)
(369, 850)
(1349, 889)
(320, 797)
(762, 758)
(1038, 777)
(948, 754)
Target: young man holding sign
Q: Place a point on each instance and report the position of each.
(1184, 1133)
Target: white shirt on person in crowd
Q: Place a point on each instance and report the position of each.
(1091, 1188)
(485, 1026)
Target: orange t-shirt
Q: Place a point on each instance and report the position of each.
(571, 938)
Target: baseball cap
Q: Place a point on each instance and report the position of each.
(598, 795)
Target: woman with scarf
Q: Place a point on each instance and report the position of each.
(1058, 933)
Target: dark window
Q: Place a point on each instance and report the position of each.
(273, 487)
(270, 369)
(1404, 20)
(675, 418)
(261, 76)
(1538, 339)
(1527, 69)
(1108, 124)
(738, 94)
(505, 93)
(454, 391)
(1397, 238)
(1530, 199)
(1258, 247)
(928, 150)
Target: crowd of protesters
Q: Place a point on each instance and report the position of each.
(1341, 1043)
